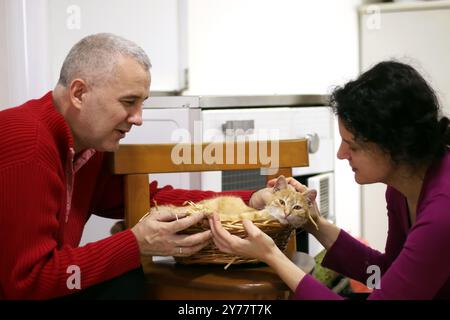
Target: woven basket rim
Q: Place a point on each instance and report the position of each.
(212, 255)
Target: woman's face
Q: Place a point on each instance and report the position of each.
(367, 160)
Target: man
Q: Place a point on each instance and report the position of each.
(52, 178)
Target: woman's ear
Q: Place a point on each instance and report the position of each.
(280, 184)
(77, 89)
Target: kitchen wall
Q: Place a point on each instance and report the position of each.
(24, 55)
(271, 46)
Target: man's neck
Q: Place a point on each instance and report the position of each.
(61, 100)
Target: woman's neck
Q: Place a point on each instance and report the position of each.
(408, 182)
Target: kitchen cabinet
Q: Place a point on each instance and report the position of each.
(152, 24)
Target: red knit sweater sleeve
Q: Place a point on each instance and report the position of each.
(169, 195)
(34, 263)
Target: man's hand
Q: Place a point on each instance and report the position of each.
(157, 235)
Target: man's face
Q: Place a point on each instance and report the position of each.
(110, 109)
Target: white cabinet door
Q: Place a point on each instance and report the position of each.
(152, 24)
(418, 35)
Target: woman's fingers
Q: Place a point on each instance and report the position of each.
(291, 181)
(250, 228)
(224, 240)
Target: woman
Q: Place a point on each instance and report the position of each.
(391, 133)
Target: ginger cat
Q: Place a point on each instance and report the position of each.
(286, 205)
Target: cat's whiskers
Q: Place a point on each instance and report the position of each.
(312, 220)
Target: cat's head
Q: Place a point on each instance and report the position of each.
(289, 206)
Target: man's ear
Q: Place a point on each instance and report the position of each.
(311, 195)
(280, 184)
(77, 89)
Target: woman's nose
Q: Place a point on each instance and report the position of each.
(342, 153)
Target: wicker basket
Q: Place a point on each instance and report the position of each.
(211, 254)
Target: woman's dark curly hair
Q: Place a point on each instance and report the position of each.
(393, 106)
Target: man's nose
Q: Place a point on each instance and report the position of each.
(136, 117)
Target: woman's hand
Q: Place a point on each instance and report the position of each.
(290, 181)
(262, 197)
(256, 245)
(314, 210)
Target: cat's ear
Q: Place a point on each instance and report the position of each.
(311, 195)
(280, 184)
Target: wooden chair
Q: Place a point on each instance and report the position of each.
(168, 280)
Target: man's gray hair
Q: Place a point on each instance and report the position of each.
(94, 57)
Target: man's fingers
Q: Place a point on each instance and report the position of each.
(187, 251)
(168, 215)
(182, 240)
(186, 222)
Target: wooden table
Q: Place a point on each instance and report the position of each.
(168, 280)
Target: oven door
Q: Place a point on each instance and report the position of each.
(242, 124)
(313, 123)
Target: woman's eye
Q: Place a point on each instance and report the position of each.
(282, 202)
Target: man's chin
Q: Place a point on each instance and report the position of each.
(109, 148)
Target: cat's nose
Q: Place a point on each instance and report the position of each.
(286, 213)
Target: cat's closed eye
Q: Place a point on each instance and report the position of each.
(281, 201)
(296, 207)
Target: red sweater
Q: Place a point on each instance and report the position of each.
(38, 242)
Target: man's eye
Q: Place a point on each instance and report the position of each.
(128, 102)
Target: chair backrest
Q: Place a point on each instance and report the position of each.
(136, 162)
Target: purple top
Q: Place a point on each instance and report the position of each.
(416, 262)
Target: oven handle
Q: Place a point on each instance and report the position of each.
(233, 125)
